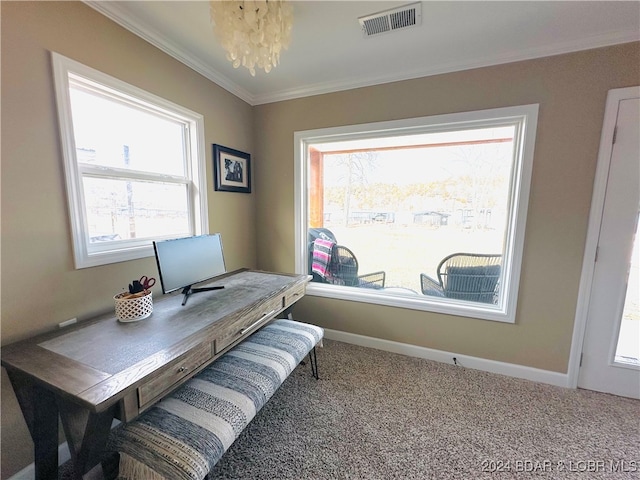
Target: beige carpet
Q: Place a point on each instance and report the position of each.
(378, 415)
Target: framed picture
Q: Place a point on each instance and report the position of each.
(231, 170)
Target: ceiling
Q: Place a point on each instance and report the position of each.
(329, 52)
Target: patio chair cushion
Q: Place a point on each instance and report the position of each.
(474, 283)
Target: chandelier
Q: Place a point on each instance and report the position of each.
(253, 32)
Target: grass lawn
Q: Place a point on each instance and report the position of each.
(405, 251)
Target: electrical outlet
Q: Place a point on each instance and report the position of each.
(66, 323)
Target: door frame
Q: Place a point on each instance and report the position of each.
(614, 97)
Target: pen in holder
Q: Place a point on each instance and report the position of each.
(131, 307)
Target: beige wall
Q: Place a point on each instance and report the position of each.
(571, 90)
(40, 286)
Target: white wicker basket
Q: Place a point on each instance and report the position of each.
(131, 309)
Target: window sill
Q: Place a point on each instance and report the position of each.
(83, 260)
(411, 301)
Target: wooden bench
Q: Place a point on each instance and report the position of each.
(185, 434)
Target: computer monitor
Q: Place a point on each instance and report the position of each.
(183, 262)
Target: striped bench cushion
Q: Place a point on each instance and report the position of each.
(185, 434)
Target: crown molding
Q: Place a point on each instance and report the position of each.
(114, 12)
(598, 41)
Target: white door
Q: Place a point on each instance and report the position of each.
(610, 358)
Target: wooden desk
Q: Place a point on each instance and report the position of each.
(103, 369)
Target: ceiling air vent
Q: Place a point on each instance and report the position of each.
(389, 20)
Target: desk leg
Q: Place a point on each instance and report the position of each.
(86, 432)
(87, 435)
(40, 412)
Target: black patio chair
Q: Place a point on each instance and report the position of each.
(342, 268)
(473, 277)
(323, 233)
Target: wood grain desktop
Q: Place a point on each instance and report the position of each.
(102, 369)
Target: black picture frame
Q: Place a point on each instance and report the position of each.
(231, 170)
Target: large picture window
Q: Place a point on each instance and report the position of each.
(426, 213)
(134, 165)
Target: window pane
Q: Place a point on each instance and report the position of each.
(123, 210)
(628, 346)
(403, 204)
(134, 165)
(388, 207)
(113, 134)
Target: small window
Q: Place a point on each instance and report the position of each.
(134, 166)
(427, 213)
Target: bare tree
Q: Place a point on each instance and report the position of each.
(484, 168)
(357, 165)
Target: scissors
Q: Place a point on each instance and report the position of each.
(147, 282)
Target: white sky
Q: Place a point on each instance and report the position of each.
(424, 165)
(106, 126)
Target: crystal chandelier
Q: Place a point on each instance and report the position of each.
(253, 32)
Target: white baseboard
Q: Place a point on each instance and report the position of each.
(29, 472)
(508, 369)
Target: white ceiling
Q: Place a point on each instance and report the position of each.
(328, 51)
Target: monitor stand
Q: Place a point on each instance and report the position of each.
(186, 291)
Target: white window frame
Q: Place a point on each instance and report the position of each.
(112, 252)
(524, 117)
